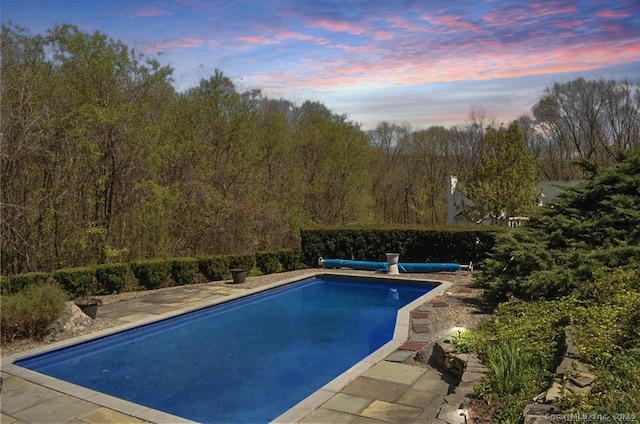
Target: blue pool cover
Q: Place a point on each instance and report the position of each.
(416, 267)
(246, 361)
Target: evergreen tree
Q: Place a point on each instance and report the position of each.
(590, 228)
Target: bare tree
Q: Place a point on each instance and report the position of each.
(588, 122)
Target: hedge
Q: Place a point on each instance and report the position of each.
(242, 261)
(461, 245)
(152, 273)
(268, 262)
(184, 270)
(214, 268)
(77, 281)
(14, 283)
(111, 278)
(290, 259)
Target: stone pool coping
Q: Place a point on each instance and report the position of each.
(296, 413)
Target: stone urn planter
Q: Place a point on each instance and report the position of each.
(88, 305)
(238, 275)
(393, 259)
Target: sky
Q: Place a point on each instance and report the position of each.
(416, 62)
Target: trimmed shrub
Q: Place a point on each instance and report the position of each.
(214, 268)
(183, 270)
(242, 261)
(268, 262)
(15, 283)
(152, 273)
(289, 259)
(31, 312)
(462, 245)
(76, 281)
(111, 278)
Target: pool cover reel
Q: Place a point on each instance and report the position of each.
(402, 266)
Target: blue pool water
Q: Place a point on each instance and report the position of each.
(246, 361)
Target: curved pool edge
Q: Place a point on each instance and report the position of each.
(294, 414)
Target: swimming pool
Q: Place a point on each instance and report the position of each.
(244, 361)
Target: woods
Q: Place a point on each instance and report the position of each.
(104, 161)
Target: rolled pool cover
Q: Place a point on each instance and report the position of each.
(417, 267)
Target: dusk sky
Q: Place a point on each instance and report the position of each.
(423, 63)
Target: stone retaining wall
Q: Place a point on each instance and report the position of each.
(572, 376)
(466, 368)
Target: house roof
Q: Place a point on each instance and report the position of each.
(552, 188)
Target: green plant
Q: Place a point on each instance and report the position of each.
(467, 341)
(516, 375)
(153, 273)
(268, 262)
(590, 228)
(14, 283)
(414, 244)
(510, 367)
(242, 261)
(111, 278)
(289, 259)
(31, 312)
(214, 268)
(77, 281)
(183, 270)
(616, 392)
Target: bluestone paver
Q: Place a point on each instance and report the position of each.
(359, 419)
(399, 355)
(107, 416)
(26, 396)
(347, 403)
(392, 412)
(395, 372)
(417, 398)
(324, 415)
(433, 382)
(420, 338)
(58, 410)
(6, 419)
(373, 388)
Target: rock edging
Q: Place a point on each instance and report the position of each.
(468, 371)
(572, 376)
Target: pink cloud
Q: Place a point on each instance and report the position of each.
(337, 26)
(569, 24)
(504, 17)
(383, 35)
(148, 12)
(404, 24)
(257, 39)
(546, 8)
(612, 14)
(289, 35)
(453, 22)
(280, 37)
(439, 65)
